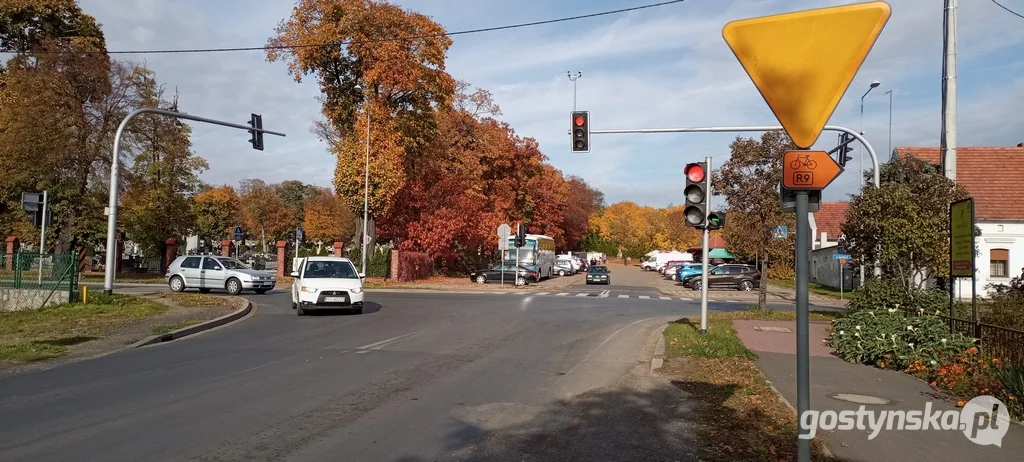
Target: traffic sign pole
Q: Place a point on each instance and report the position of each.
(803, 371)
(42, 237)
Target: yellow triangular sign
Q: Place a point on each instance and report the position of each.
(803, 62)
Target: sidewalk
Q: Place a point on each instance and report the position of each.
(831, 376)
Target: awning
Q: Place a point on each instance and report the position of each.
(720, 254)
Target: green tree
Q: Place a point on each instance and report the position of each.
(749, 180)
(217, 211)
(265, 215)
(296, 195)
(905, 222)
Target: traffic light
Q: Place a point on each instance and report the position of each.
(716, 220)
(521, 236)
(696, 192)
(256, 121)
(843, 150)
(581, 131)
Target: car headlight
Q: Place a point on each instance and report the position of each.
(357, 290)
(307, 289)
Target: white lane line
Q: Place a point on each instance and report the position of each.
(543, 293)
(604, 342)
(378, 345)
(665, 298)
(562, 294)
(582, 295)
(644, 297)
(623, 296)
(604, 293)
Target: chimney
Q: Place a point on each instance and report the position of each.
(1020, 145)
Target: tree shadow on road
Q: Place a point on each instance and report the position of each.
(647, 418)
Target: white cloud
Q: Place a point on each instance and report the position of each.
(662, 67)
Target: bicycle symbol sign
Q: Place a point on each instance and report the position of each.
(809, 170)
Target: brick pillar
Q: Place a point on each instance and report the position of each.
(13, 244)
(339, 249)
(282, 255)
(225, 248)
(170, 253)
(394, 265)
(119, 253)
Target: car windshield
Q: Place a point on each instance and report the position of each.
(231, 263)
(597, 269)
(330, 269)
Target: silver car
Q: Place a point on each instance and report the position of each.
(207, 272)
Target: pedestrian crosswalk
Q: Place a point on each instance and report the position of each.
(607, 294)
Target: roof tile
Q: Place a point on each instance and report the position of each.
(830, 217)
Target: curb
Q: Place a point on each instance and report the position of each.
(824, 446)
(195, 329)
(658, 359)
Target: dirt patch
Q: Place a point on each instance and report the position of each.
(119, 333)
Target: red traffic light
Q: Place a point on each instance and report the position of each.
(579, 121)
(694, 172)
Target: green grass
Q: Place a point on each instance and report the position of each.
(158, 330)
(196, 300)
(33, 335)
(811, 287)
(683, 338)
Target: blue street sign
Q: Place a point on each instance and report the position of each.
(239, 235)
(298, 234)
(780, 232)
(841, 256)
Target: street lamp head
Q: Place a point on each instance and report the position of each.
(875, 84)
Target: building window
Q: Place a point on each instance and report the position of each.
(998, 263)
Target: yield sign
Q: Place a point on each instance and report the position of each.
(803, 62)
(808, 170)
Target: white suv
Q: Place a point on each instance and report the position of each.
(327, 283)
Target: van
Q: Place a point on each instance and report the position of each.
(659, 260)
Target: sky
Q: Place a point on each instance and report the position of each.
(656, 68)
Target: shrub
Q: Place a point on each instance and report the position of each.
(878, 294)
(1011, 378)
(413, 266)
(889, 339)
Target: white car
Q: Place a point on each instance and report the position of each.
(327, 283)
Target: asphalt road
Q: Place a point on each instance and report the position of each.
(417, 377)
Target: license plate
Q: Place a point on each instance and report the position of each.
(334, 299)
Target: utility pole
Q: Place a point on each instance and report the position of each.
(947, 139)
(366, 185)
(574, 78)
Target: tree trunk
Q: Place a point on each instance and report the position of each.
(762, 296)
(263, 232)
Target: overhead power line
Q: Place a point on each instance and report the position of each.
(1008, 9)
(393, 39)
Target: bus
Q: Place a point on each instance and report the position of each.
(538, 254)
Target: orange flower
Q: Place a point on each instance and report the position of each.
(972, 350)
(882, 364)
(933, 384)
(996, 361)
(961, 403)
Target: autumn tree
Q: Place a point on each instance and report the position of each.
(628, 225)
(905, 222)
(749, 180)
(677, 234)
(296, 194)
(327, 219)
(263, 211)
(217, 210)
(581, 203)
(163, 176)
(396, 84)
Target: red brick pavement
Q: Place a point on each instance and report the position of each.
(781, 342)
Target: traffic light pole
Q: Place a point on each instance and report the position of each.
(704, 254)
(876, 177)
(115, 176)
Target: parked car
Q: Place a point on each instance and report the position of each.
(598, 274)
(207, 272)
(690, 269)
(564, 267)
(327, 283)
(494, 274)
(740, 277)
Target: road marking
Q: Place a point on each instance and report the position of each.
(604, 342)
(583, 295)
(604, 293)
(543, 293)
(562, 294)
(644, 297)
(665, 298)
(623, 296)
(378, 345)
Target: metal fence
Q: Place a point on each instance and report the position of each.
(1000, 342)
(32, 280)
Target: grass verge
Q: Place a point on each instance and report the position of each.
(812, 287)
(126, 278)
(194, 300)
(740, 417)
(34, 335)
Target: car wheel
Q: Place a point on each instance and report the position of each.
(234, 286)
(261, 291)
(176, 284)
(561, 272)
(299, 311)
(295, 305)
(481, 279)
(695, 285)
(746, 286)
(520, 281)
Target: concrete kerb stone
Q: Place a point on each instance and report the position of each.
(194, 329)
(824, 446)
(658, 359)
